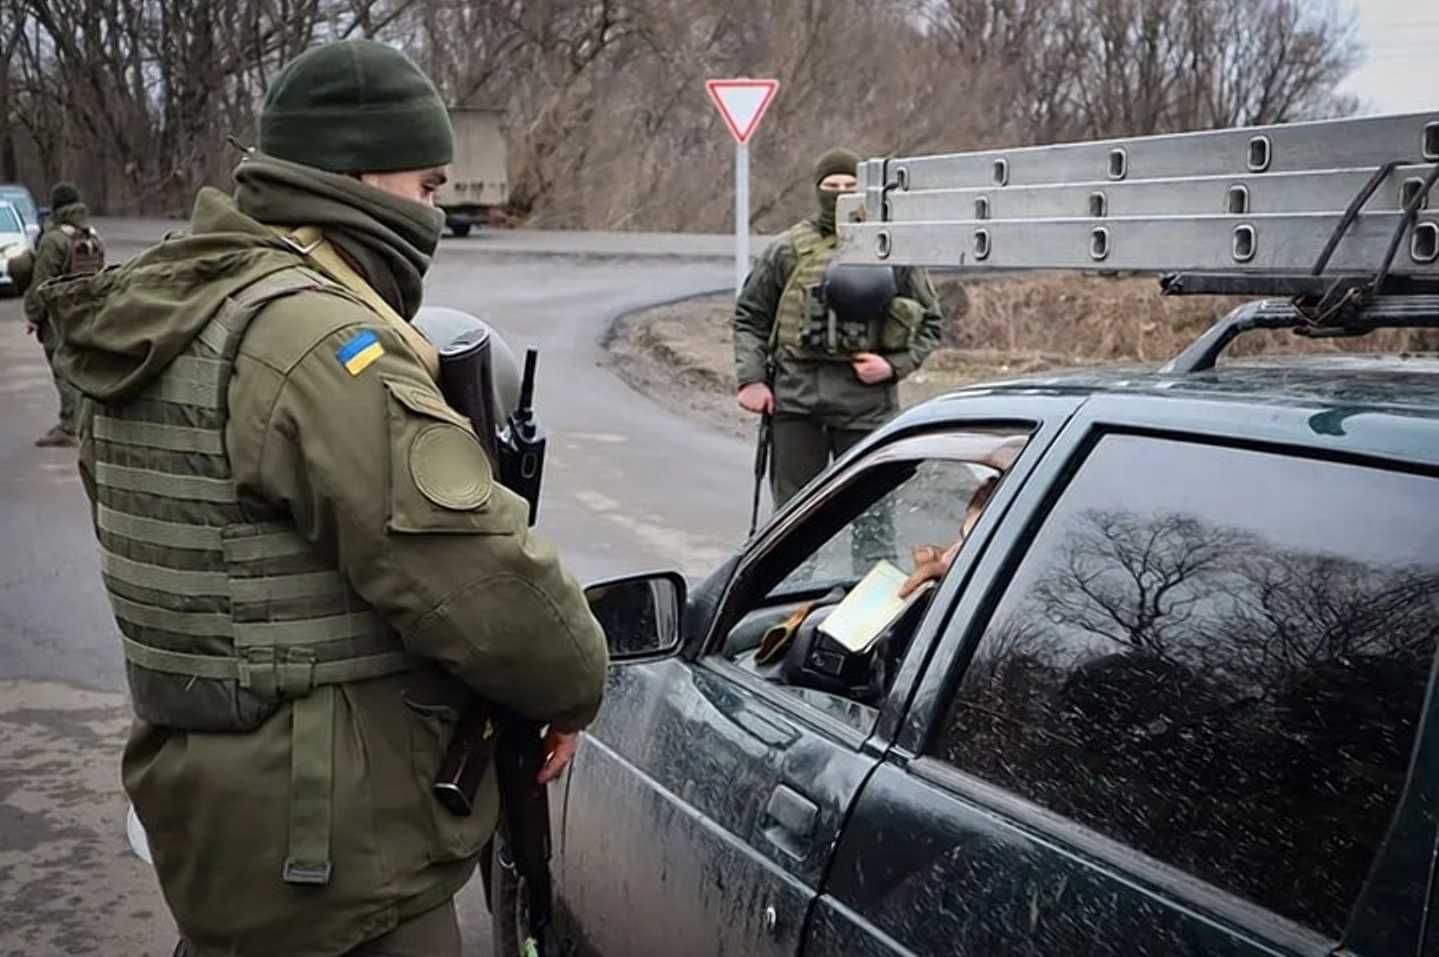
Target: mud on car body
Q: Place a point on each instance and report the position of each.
(1171, 697)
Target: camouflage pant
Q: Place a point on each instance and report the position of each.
(69, 395)
(434, 933)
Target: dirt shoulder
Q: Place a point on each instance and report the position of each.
(682, 354)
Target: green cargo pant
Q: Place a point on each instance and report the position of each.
(801, 448)
(69, 395)
(435, 933)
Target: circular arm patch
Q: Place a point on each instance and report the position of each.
(450, 468)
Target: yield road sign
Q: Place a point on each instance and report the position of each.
(742, 103)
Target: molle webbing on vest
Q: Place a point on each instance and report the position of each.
(225, 613)
(802, 313)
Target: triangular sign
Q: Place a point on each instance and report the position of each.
(742, 103)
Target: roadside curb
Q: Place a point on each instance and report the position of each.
(492, 244)
(647, 367)
(614, 326)
(596, 257)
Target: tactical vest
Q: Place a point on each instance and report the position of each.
(805, 326)
(226, 611)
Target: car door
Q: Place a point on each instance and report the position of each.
(1179, 716)
(702, 810)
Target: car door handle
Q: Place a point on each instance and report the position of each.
(790, 818)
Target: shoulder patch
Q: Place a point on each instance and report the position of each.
(360, 351)
(450, 468)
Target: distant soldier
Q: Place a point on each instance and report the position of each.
(69, 246)
(835, 365)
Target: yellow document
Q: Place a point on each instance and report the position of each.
(870, 609)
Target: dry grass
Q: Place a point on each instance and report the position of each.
(1088, 320)
(996, 329)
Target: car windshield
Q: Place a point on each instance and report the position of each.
(20, 199)
(9, 220)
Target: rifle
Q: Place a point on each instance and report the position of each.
(765, 437)
(761, 465)
(516, 742)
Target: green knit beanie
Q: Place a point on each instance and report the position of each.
(356, 106)
(838, 160)
(64, 194)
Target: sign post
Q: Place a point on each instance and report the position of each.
(741, 103)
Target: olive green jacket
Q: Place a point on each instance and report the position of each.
(444, 558)
(51, 252)
(826, 391)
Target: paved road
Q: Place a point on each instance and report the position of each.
(631, 486)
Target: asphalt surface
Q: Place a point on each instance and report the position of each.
(630, 486)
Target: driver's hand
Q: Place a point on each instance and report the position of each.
(560, 748)
(931, 563)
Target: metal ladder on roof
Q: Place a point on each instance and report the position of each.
(1262, 200)
(1333, 214)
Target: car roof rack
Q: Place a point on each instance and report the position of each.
(1332, 214)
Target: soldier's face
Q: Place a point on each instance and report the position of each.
(417, 185)
(839, 183)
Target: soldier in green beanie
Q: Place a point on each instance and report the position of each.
(68, 245)
(827, 384)
(312, 569)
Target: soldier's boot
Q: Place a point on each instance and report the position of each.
(57, 437)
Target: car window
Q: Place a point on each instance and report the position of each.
(9, 220)
(905, 508)
(926, 507)
(1218, 657)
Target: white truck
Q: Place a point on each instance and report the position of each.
(479, 176)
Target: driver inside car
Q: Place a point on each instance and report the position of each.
(796, 653)
(931, 562)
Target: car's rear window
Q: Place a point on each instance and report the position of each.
(1217, 657)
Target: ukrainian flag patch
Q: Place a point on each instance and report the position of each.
(357, 354)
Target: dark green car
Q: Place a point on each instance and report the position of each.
(1174, 695)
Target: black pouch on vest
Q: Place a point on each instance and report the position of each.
(856, 336)
(819, 333)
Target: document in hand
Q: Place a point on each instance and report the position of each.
(870, 609)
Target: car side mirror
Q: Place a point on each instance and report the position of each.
(640, 614)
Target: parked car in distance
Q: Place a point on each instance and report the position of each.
(24, 203)
(13, 242)
(1173, 696)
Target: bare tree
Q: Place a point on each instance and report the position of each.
(1090, 68)
(1139, 582)
(1292, 611)
(609, 126)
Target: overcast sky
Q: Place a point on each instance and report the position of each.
(1401, 39)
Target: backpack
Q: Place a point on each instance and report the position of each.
(86, 253)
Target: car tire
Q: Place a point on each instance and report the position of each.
(508, 930)
(460, 229)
